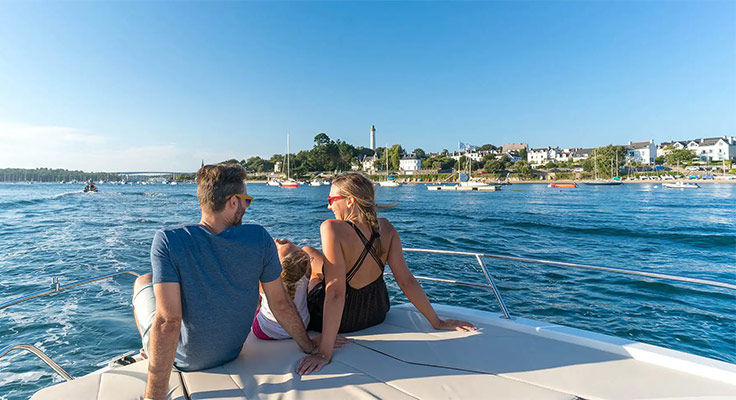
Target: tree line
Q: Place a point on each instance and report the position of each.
(53, 175)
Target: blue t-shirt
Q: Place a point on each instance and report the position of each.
(218, 276)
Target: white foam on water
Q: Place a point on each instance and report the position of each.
(23, 377)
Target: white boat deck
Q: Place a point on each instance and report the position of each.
(404, 358)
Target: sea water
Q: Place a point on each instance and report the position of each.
(55, 230)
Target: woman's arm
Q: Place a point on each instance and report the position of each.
(413, 290)
(334, 272)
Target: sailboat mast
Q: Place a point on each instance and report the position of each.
(595, 162)
(385, 151)
(287, 156)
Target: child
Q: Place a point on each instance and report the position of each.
(295, 272)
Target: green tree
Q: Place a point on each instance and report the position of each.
(495, 165)
(394, 155)
(676, 157)
(524, 169)
(487, 147)
(420, 153)
(605, 158)
(523, 154)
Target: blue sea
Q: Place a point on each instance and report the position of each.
(55, 230)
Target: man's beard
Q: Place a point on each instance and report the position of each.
(238, 217)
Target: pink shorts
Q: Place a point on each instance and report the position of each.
(257, 331)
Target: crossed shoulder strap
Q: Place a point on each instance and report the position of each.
(368, 248)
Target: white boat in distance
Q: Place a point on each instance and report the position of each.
(273, 182)
(681, 185)
(405, 358)
(388, 182)
(288, 182)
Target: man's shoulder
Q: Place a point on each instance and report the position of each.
(244, 231)
(179, 230)
(178, 233)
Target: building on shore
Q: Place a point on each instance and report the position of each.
(555, 154)
(542, 155)
(706, 149)
(664, 148)
(515, 147)
(410, 163)
(641, 152)
(714, 149)
(367, 164)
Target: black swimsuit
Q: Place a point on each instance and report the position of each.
(364, 307)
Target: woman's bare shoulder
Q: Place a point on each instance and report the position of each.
(332, 225)
(386, 226)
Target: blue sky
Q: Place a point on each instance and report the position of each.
(160, 86)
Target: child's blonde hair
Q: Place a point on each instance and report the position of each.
(293, 267)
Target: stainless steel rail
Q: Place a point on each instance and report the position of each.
(583, 266)
(56, 287)
(40, 354)
(492, 286)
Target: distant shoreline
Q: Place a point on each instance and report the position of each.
(638, 181)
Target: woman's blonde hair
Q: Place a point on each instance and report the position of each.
(361, 189)
(293, 267)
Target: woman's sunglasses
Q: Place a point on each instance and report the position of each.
(248, 199)
(331, 199)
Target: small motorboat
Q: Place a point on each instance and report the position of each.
(289, 183)
(563, 185)
(273, 182)
(681, 185)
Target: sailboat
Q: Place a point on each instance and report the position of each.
(388, 182)
(600, 181)
(467, 180)
(288, 183)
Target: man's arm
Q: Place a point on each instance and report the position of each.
(164, 339)
(286, 315)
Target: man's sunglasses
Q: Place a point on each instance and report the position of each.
(248, 199)
(331, 199)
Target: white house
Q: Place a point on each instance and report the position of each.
(367, 163)
(714, 149)
(580, 154)
(475, 155)
(676, 145)
(515, 147)
(642, 152)
(410, 163)
(542, 155)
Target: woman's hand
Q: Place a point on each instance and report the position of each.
(455, 325)
(312, 363)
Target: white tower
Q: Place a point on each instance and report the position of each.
(373, 137)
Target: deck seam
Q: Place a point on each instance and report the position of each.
(462, 369)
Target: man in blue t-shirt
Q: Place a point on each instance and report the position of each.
(195, 310)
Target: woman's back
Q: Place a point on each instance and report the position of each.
(366, 295)
(352, 245)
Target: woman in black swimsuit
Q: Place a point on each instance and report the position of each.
(347, 290)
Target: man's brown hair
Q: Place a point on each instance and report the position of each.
(216, 183)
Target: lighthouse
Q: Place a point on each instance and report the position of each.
(373, 137)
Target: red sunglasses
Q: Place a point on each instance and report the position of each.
(331, 199)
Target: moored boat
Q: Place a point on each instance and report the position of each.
(681, 185)
(563, 185)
